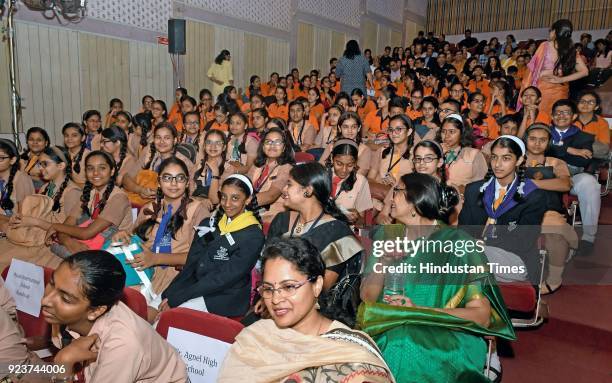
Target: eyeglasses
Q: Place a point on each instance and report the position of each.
(274, 142)
(561, 113)
(192, 123)
(588, 102)
(213, 143)
(427, 160)
(44, 164)
(105, 141)
(285, 291)
(397, 189)
(179, 178)
(397, 130)
(2, 158)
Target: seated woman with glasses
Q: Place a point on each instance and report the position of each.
(165, 227)
(440, 317)
(271, 171)
(314, 215)
(216, 277)
(298, 343)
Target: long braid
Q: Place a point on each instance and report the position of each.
(7, 203)
(85, 198)
(76, 166)
(143, 228)
(122, 155)
(254, 207)
(180, 216)
(521, 171)
(108, 191)
(152, 151)
(60, 192)
(488, 177)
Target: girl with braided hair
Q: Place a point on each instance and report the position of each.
(506, 197)
(37, 140)
(104, 209)
(60, 195)
(165, 227)
(92, 125)
(241, 146)
(143, 132)
(217, 274)
(213, 169)
(15, 185)
(75, 141)
(114, 142)
(350, 190)
(142, 187)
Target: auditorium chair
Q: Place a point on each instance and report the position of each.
(303, 157)
(207, 324)
(135, 301)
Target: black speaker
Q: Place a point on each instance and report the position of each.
(176, 36)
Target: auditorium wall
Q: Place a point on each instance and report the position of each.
(114, 51)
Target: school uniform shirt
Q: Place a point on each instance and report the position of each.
(363, 111)
(30, 167)
(267, 89)
(302, 133)
(312, 119)
(357, 198)
(179, 242)
(496, 112)
(375, 122)
(80, 177)
(542, 117)
(422, 132)
(7, 303)
(218, 268)
(482, 86)
(326, 136)
(413, 114)
(597, 126)
(71, 198)
(130, 166)
(316, 112)
(579, 140)
(213, 124)
(392, 164)
(117, 210)
(278, 111)
(203, 179)
(469, 166)
(175, 114)
(12, 344)
(130, 350)
(488, 127)
(250, 145)
(22, 187)
(146, 153)
(277, 178)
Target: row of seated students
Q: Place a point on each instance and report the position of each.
(228, 174)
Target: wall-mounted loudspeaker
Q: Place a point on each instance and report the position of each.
(176, 36)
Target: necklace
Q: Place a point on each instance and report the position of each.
(298, 226)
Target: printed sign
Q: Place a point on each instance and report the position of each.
(26, 282)
(202, 355)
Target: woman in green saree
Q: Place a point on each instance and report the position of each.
(430, 324)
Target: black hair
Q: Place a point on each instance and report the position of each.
(410, 139)
(515, 149)
(316, 90)
(314, 174)
(343, 95)
(437, 149)
(429, 197)
(88, 185)
(253, 206)
(115, 101)
(179, 217)
(467, 137)
(300, 252)
(115, 133)
(102, 276)
(252, 90)
(202, 168)
(204, 92)
(11, 150)
(87, 115)
(397, 102)
(164, 108)
(564, 102)
(454, 102)
(142, 101)
(589, 92)
(245, 119)
(262, 112)
(508, 118)
(479, 120)
(221, 56)
(190, 100)
(566, 60)
(76, 164)
(153, 150)
(288, 154)
(352, 49)
(284, 91)
(67, 172)
(433, 101)
(128, 116)
(144, 121)
(350, 116)
(35, 129)
(341, 150)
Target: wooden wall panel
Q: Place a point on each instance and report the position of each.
(370, 37)
(200, 54)
(305, 47)
(338, 43)
(322, 49)
(277, 57)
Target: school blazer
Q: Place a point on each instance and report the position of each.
(517, 230)
(581, 140)
(218, 271)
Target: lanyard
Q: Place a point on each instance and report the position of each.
(392, 165)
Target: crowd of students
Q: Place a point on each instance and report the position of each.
(440, 137)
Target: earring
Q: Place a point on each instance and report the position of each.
(306, 194)
(413, 214)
